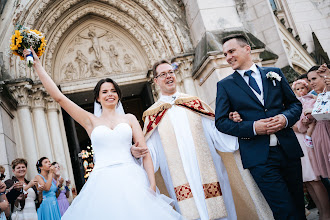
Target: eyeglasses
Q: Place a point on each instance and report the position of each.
(164, 75)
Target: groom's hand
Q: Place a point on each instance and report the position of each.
(260, 126)
(139, 152)
(277, 123)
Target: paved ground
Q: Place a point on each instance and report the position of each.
(314, 214)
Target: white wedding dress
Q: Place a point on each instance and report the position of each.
(117, 188)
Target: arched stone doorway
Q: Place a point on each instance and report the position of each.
(90, 40)
(88, 51)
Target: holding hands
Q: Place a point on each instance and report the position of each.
(263, 126)
(139, 152)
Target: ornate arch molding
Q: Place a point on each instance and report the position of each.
(165, 25)
(109, 52)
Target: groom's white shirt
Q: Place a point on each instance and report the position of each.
(215, 139)
(257, 76)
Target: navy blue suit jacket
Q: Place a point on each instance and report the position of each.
(234, 94)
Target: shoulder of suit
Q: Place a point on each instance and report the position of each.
(268, 69)
(226, 79)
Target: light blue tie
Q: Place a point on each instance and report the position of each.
(252, 81)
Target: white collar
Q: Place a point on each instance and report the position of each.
(169, 99)
(253, 68)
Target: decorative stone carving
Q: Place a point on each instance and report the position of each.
(287, 47)
(22, 94)
(113, 58)
(185, 66)
(117, 54)
(140, 18)
(121, 21)
(129, 64)
(96, 48)
(38, 94)
(82, 62)
(70, 72)
(51, 104)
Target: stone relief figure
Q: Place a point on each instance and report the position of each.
(97, 68)
(82, 61)
(129, 64)
(70, 72)
(113, 58)
(91, 35)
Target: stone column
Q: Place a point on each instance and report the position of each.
(185, 71)
(40, 123)
(21, 92)
(56, 137)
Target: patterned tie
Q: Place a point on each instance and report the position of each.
(252, 81)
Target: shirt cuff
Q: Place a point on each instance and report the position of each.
(286, 119)
(254, 129)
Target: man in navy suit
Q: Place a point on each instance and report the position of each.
(268, 109)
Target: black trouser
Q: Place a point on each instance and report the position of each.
(280, 181)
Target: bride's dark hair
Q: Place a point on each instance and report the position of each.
(98, 87)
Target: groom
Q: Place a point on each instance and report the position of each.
(268, 145)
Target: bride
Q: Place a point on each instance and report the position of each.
(117, 188)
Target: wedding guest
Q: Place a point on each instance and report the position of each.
(300, 88)
(4, 204)
(320, 136)
(310, 88)
(24, 207)
(49, 207)
(310, 174)
(63, 192)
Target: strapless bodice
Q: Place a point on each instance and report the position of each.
(112, 146)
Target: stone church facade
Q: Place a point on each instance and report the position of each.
(121, 39)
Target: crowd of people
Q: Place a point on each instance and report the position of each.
(45, 197)
(282, 150)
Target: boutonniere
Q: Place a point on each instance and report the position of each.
(273, 76)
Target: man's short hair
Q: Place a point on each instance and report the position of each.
(240, 38)
(303, 76)
(157, 64)
(18, 161)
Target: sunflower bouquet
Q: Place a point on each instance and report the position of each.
(24, 38)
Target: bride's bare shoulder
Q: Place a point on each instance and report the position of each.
(130, 116)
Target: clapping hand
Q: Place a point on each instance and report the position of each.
(52, 169)
(137, 151)
(33, 182)
(21, 197)
(41, 187)
(18, 186)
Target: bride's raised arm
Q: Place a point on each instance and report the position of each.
(84, 118)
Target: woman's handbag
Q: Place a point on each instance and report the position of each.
(321, 109)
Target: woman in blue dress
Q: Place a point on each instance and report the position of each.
(48, 209)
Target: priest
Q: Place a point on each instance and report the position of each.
(185, 144)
